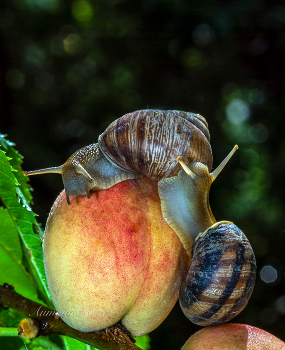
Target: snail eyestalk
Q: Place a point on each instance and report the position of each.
(81, 170)
(202, 171)
(184, 166)
(52, 170)
(217, 171)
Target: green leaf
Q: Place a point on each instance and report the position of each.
(12, 270)
(143, 342)
(72, 344)
(16, 161)
(10, 317)
(11, 343)
(8, 332)
(23, 217)
(42, 343)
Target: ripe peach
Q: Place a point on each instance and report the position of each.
(112, 257)
(233, 336)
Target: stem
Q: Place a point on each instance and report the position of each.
(112, 338)
(8, 332)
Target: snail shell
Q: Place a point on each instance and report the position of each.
(221, 276)
(149, 141)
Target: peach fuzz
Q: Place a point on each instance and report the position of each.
(112, 257)
(233, 336)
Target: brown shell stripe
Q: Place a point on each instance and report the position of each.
(229, 287)
(197, 120)
(241, 302)
(157, 143)
(172, 138)
(113, 141)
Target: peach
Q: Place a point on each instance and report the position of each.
(233, 336)
(112, 257)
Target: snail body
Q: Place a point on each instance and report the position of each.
(222, 272)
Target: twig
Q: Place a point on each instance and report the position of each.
(112, 338)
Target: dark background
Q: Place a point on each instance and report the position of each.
(69, 68)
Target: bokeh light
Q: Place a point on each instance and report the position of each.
(280, 304)
(15, 79)
(258, 133)
(203, 35)
(268, 274)
(43, 4)
(82, 10)
(237, 111)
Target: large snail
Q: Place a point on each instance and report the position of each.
(152, 143)
(142, 143)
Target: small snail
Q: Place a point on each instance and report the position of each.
(142, 143)
(221, 276)
(222, 272)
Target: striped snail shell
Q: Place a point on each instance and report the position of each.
(221, 276)
(142, 143)
(149, 141)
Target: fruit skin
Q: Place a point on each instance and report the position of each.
(112, 257)
(233, 336)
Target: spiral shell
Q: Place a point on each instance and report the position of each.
(149, 141)
(221, 276)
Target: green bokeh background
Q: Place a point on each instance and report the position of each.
(69, 68)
